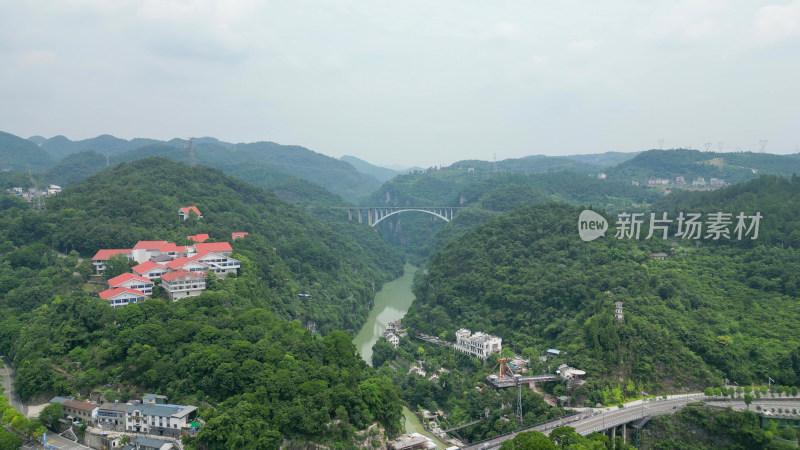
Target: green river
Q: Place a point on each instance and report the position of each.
(390, 304)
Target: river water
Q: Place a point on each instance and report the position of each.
(391, 303)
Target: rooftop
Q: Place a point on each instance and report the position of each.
(106, 253)
(111, 293)
(126, 277)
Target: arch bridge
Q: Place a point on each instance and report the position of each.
(376, 214)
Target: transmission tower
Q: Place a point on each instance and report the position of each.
(192, 160)
(763, 144)
(661, 144)
(37, 204)
(720, 144)
(707, 145)
(107, 162)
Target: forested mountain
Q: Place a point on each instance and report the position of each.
(490, 192)
(60, 146)
(382, 174)
(268, 379)
(690, 164)
(607, 159)
(21, 155)
(706, 313)
(245, 161)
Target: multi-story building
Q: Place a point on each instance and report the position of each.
(479, 344)
(102, 256)
(150, 270)
(111, 416)
(132, 281)
(121, 296)
(156, 419)
(74, 410)
(181, 284)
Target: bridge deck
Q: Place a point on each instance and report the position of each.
(509, 382)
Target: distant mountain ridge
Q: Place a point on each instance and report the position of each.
(382, 174)
(240, 160)
(21, 154)
(732, 168)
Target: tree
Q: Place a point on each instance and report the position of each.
(565, 436)
(117, 265)
(529, 440)
(382, 351)
(9, 441)
(51, 415)
(747, 400)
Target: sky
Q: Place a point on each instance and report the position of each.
(415, 83)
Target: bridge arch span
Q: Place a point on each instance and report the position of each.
(409, 210)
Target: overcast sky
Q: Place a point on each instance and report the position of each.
(408, 82)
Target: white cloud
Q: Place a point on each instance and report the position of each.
(505, 30)
(775, 23)
(583, 45)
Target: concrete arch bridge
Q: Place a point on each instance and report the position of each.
(376, 214)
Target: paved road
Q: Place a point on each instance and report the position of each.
(607, 417)
(7, 373)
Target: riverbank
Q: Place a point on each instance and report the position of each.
(391, 303)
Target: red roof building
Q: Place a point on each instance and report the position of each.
(121, 296)
(181, 284)
(133, 282)
(149, 245)
(99, 259)
(198, 237)
(238, 235)
(218, 247)
(150, 270)
(184, 212)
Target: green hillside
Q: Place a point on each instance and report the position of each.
(246, 161)
(382, 174)
(244, 345)
(21, 154)
(60, 146)
(607, 159)
(490, 192)
(706, 313)
(690, 164)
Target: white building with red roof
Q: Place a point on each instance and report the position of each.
(121, 296)
(133, 282)
(218, 247)
(181, 284)
(150, 270)
(185, 212)
(220, 263)
(102, 256)
(187, 264)
(238, 235)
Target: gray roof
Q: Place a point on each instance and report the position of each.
(58, 399)
(119, 407)
(160, 410)
(153, 396)
(150, 442)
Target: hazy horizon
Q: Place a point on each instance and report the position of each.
(412, 83)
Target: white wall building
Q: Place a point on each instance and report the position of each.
(181, 284)
(479, 344)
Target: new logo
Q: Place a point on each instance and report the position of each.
(591, 225)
